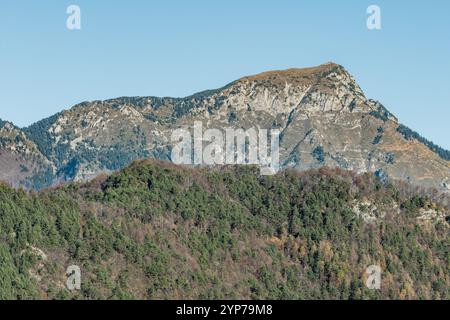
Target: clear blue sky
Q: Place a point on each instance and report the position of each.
(176, 48)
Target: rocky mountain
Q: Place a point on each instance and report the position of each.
(324, 118)
(21, 162)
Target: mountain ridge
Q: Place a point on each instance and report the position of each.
(323, 114)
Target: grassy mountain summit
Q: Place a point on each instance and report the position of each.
(324, 118)
(156, 230)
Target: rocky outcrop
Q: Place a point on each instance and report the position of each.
(21, 163)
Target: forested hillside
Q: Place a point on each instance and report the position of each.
(155, 230)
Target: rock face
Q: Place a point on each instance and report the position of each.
(21, 163)
(324, 117)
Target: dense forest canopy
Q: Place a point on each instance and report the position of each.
(155, 230)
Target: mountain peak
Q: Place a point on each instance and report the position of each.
(303, 75)
(330, 78)
(3, 123)
(324, 117)
(7, 126)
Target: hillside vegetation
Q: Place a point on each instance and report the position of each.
(158, 231)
